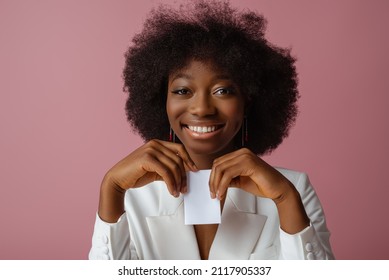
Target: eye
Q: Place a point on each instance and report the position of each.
(181, 91)
(223, 91)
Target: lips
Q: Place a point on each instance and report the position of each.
(203, 131)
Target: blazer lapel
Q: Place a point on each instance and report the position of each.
(240, 227)
(238, 233)
(170, 236)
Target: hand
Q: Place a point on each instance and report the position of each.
(247, 171)
(155, 160)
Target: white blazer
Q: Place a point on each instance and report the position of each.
(153, 228)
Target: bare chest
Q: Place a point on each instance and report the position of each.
(205, 234)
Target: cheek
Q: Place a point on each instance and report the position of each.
(173, 109)
(235, 113)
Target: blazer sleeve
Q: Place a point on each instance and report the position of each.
(312, 242)
(111, 241)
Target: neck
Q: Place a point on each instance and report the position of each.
(202, 162)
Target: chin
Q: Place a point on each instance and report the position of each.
(206, 149)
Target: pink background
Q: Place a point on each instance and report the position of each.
(63, 124)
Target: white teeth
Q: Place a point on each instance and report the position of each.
(202, 129)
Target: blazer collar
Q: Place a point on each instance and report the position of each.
(238, 233)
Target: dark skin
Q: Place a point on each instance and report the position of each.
(206, 110)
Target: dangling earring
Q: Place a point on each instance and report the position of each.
(172, 136)
(245, 133)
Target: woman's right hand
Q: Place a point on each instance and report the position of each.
(155, 160)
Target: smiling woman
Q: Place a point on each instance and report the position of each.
(205, 109)
(206, 73)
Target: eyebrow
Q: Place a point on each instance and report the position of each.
(182, 75)
(189, 77)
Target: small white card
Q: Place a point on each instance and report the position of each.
(199, 207)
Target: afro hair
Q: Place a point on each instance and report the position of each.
(231, 39)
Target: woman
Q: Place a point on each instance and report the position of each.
(207, 91)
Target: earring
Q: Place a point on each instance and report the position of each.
(172, 136)
(245, 132)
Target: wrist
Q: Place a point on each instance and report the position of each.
(111, 184)
(291, 211)
(288, 193)
(111, 204)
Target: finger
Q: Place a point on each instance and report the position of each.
(212, 183)
(176, 163)
(181, 151)
(176, 167)
(156, 166)
(186, 158)
(217, 175)
(229, 175)
(233, 155)
(225, 171)
(179, 171)
(217, 170)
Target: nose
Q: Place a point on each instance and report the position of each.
(202, 105)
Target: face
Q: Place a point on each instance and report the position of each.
(205, 108)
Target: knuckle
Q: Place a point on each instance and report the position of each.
(181, 150)
(165, 172)
(152, 143)
(218, 169)
(176, 168)
(227, 173)
(245, 155)
(180, 147)
(147, 155)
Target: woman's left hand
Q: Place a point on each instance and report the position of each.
(245, 170)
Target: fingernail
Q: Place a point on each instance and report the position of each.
(184, 190)
(218, 195)
(213, 195)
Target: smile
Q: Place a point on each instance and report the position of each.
(203, 132)
(202, 129)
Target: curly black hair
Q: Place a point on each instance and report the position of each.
(232, 40)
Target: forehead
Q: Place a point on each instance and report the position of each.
(196, 67)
